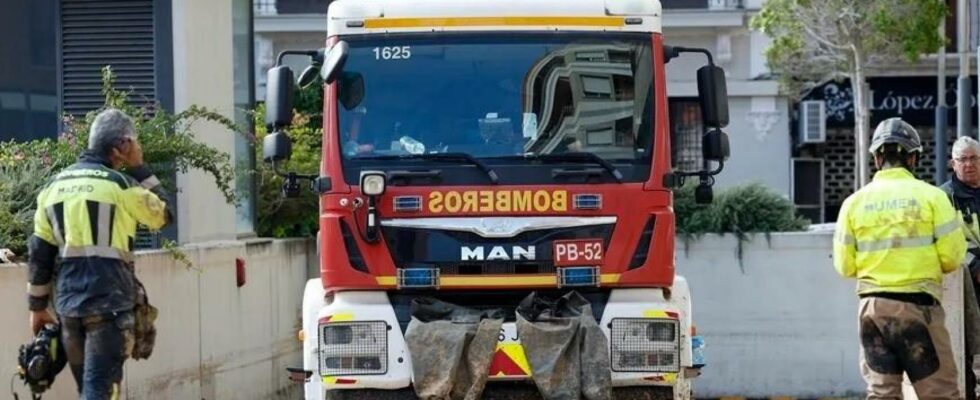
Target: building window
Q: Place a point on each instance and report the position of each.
(686, 129)
(702, 4)
(302, 6)
(28, 84)
(242, 48)
(265, 7)
(680, 4)
(597, 87)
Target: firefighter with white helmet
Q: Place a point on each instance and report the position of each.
(897, 236)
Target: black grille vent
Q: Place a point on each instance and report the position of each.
(497, 268)
(353, 253)
(643, 246)
(96, 33)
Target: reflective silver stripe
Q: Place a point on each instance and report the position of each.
(845, 239)
(894, 243)
(150, 183)
(55, 227)
(105, 224)
(969, 258)
(38, 290)
(946, 228)
(97, 251)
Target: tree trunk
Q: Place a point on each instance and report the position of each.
(862, 121)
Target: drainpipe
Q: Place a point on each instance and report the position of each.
(964, 99)
(941, 111)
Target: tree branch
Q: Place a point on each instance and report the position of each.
(826, 42)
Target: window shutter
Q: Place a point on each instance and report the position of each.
(96, 33)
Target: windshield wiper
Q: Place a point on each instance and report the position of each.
(440, 157)
(580, 156)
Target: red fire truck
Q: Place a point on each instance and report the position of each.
(475, 152)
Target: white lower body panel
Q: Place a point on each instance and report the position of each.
(374, 306)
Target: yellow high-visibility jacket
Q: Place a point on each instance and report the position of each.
(86, 220)
(898, 235)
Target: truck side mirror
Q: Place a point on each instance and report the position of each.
(276, 147)
(714, 145)
(279, 98)
(713, 96)
(334, 62)
(308, 76)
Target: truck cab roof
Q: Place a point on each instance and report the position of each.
(358, 17)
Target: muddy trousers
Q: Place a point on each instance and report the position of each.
(900, 336)
(97, 347)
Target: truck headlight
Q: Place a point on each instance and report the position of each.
(645, 345)
(372, 183)
(353, 348)
(342, 334)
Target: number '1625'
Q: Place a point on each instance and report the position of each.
(392, 53)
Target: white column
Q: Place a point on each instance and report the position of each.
(202, 49)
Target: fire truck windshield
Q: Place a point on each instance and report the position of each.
(498, 95)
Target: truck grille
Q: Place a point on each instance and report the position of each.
(497, 268)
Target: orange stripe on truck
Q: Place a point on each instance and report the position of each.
(380, 23)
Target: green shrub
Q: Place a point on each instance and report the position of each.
(694, 219)
(278, 216)
(744, 209)
(168, 143)
(16, 208)
(756, 208)
(741, 211)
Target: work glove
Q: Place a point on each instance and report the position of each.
(973, 228)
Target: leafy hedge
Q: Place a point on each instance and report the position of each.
(168, 143)
(752, 208)
(17, 182)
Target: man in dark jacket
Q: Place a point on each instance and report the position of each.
(86, 220)
(964, 192)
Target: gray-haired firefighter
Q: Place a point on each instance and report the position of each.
(963, 190)
(87, 215)
(898, 236)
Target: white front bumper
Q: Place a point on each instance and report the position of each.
(374, 306)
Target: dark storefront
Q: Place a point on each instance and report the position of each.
(912, 98)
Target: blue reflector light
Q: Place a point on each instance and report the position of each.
(578, 276)
(408, 203)
(587, 201)
(418, 277)
(697, 351)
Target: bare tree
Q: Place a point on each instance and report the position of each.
(814, 41)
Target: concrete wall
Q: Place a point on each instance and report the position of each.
(782, 323)
(214, 340)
